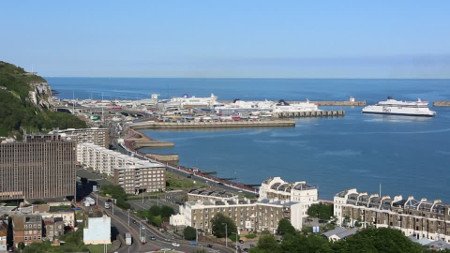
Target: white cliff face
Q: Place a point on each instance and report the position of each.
(40, 94)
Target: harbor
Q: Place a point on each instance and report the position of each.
(212, 124)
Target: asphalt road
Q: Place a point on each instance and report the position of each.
(128, 222)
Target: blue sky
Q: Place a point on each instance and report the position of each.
(251, 38)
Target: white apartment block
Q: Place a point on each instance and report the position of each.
(133, 174)
(301, 193)
(417, 218)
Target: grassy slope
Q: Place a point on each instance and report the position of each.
(18, 114)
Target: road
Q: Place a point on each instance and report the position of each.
(128, 222)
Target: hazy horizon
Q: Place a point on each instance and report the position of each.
(230, 39)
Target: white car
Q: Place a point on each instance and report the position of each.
(176, 244)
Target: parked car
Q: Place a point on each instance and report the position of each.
(176, 244)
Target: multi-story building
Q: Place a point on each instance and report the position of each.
(298, 192)
(54, 228)
(418, 218)
(40, 167)
(257, 215)
(95, 135)
(142, 177)
(26, 229)
(3, 237)
(248, 215)
(208, 194)
(133, 174)
(97, 230)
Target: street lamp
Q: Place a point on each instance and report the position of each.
(128, 212)
(226, 234)
(235, 242)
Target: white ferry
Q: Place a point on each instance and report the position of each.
(306, 106)
(396, 107)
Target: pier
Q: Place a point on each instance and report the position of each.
(441, 103)
(213, 124)
(339, 103)
(138, 140)
(338, 113)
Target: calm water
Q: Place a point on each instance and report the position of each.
(407, 155)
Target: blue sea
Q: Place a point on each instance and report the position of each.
(406, 155)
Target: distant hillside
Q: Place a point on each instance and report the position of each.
(25, 104)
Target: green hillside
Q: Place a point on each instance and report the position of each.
(24, 102)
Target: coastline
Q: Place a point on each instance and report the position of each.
(193, 173)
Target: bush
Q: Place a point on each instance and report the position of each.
(156, 215)
(190, 233)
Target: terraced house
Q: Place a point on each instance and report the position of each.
(418, 218)
(278, 200)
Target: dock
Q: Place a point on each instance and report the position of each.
(212, 124)
(138, 140)
(337, 113)
(339, 103)
(442, 103)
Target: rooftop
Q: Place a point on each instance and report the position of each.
(211, 193)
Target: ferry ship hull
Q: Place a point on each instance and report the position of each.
(420, 112)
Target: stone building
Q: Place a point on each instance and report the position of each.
(278, 200)
(418, 218)
(26, 229)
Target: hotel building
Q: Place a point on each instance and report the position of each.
(40, 167)
(418, 218)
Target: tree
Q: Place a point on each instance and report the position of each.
(377, 240)
(166, 212)
(218, 225)
(285, 227)
(266, 244)
(190, 233)
(21, 245)
(321, 211)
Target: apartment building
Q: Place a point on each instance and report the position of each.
(141, 177)
(95, 135)
(301, 193)
(208, 194)
(278, 200)
(26, 229)
(54, 228)
(133, 174)
(40, 167)
(418, 218)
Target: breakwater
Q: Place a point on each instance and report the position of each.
(339, 103)
(138, 140)
(213, 124)
(320, 102)
(338, 113)
(441, 103)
